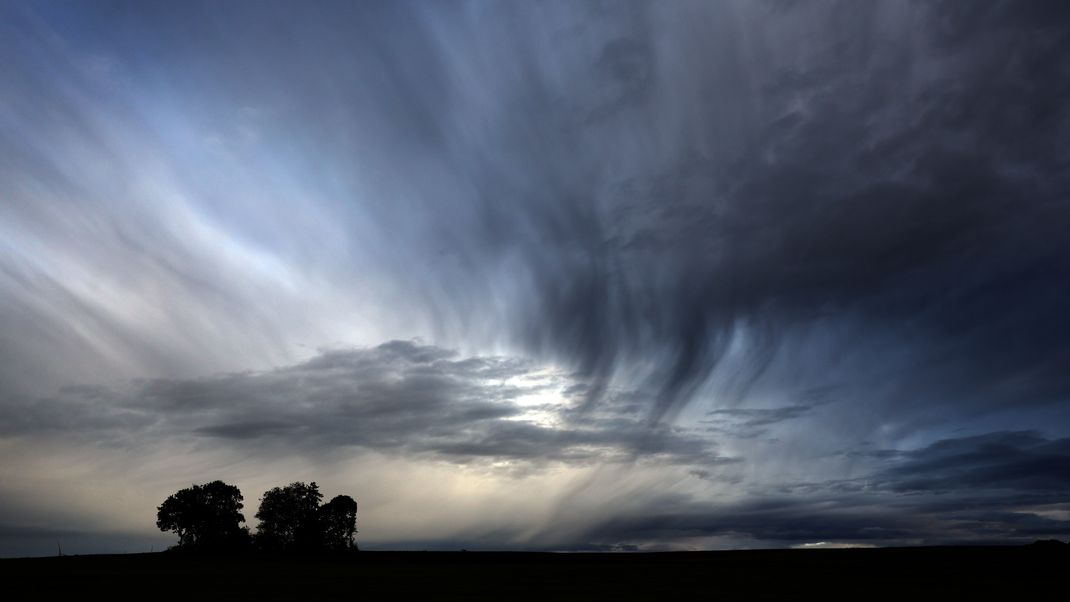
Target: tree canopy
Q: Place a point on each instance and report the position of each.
(338, 519)
(205, 517)
(289, 518)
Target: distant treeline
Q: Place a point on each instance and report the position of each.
(208, 518)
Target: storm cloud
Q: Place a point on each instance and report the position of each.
(995, 488)
(700, 273)
(399, 396)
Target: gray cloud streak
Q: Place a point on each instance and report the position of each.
(399, 397)
(997, 487)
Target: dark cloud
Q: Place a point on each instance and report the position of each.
(779, 521)
(853, 191)
(794, 522)
(997, 487)
(1018, 462)
(399, 397)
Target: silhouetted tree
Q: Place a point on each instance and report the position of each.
(205, 517)
(289, 518)
(338, 519)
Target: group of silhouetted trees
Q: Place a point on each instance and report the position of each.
(292, 520)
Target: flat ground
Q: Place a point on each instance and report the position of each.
(1009, 573)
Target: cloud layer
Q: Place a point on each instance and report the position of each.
(399, 397)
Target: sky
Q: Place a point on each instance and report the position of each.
(539, 275)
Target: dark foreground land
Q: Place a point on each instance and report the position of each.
(1009, 573)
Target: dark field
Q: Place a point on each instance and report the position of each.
(922, 573)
